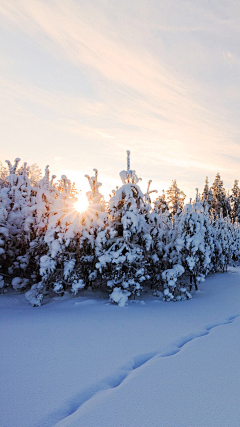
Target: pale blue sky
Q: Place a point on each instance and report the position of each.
(83, 81)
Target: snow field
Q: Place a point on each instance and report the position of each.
(83, 362)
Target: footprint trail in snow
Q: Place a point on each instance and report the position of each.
(91, 395)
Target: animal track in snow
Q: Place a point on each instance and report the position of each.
(90, 395)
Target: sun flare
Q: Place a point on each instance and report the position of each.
(81, 204)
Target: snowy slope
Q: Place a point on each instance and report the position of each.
(82, 362)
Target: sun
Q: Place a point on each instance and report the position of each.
(81, 205)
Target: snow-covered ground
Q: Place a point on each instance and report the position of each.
(82, 362)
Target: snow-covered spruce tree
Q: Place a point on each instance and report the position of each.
(171, 269)
(235, 247)
(123, 265)
(156, 229)
(94, 234)
(161, 205)
(72, 240)
(13, 242)
(194, 242)
(20, 220)
(175, 199)
(220, 200)
(54, 247)
(43, 208)
(3, 175)
(162, 254)
(207, 196)
(4, 237)
(235, 201)
(223, 242)
(158, 258)
(173, 289)
(57, 267)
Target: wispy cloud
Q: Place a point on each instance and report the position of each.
(159, 82)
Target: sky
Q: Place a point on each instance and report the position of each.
(84, 81)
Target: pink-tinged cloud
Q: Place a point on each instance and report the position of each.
(163, 82)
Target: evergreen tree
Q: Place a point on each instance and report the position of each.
(3, 175)
(159, 257)
(123, 265)
(220, 200)
(175, 198)
(235, 201)
(161, 204)
(235, 247)
(55, 231)
(223, 242)
(19, 223)
(207, 196)
(194, 242)
(4, 237)
(94, 235)
(43, 209)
